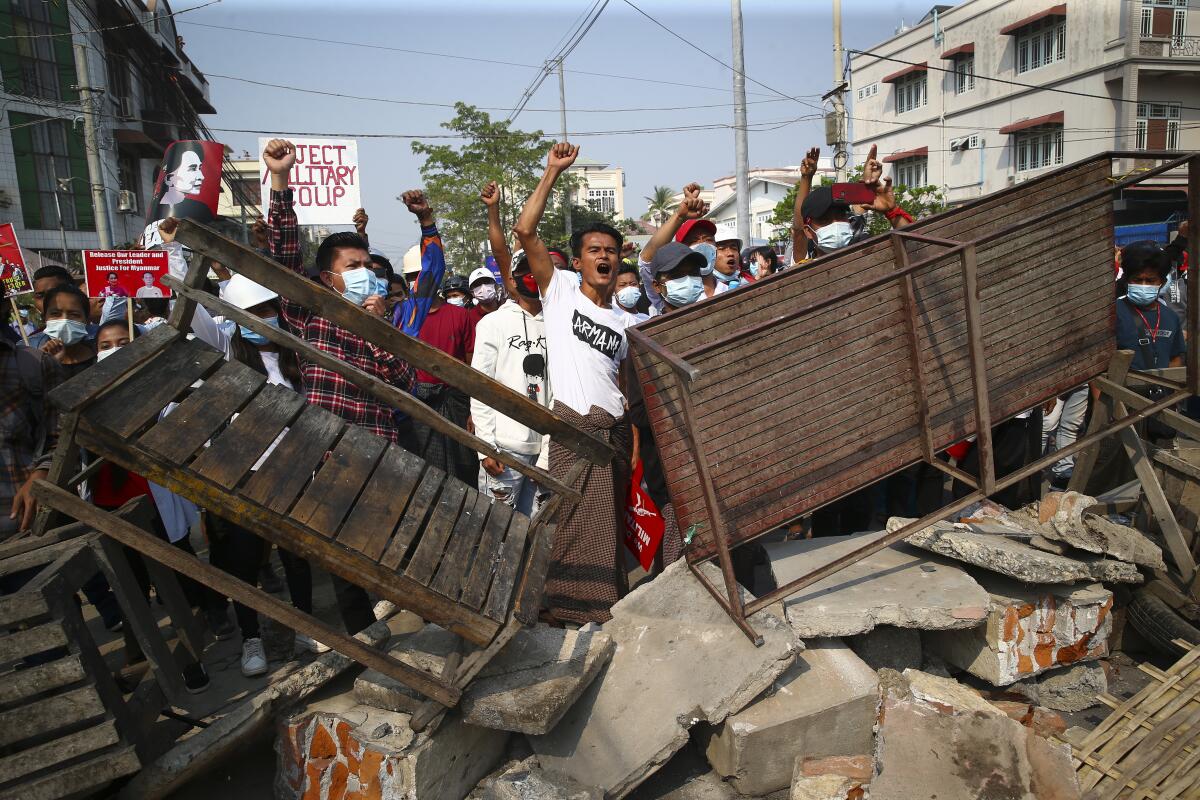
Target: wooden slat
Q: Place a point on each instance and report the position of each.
(325, 503)
(57, 751)
(77, 779)
(50, 714)
(20, 607)
(511, 553)
(452, 572)
(437, 532)
(185, 430)
(375, 516)
(104, 375)
(487, 557)
(291, 464)
(19, 644)
(414, 517)
(32, 681)
(237, 449)
(139, 400)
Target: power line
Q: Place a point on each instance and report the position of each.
(102, 29)
(581, 30)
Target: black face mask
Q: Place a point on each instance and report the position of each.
(525, 291)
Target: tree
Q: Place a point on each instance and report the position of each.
(661, 204)
(920, 201)
(553, 231)
(453, 176)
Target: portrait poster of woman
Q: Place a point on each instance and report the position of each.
(188, 185)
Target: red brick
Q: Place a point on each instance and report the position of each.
(322, 745)
(337, 781)
(859, 768)
(313, 772)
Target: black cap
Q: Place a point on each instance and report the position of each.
(672, 255)
(820, 203)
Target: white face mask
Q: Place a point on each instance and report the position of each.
(484, 292)
(457, 300)
(834, 236)
(628, 297)
(103, 354)
(67, 331)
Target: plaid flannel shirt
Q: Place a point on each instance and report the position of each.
(323, 387)
(28, 420)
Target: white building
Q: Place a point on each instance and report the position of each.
(148, 94)
(1135, 65)
(767, 187)
(603, 189)
(241, 195)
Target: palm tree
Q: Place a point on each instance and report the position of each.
(660, 204)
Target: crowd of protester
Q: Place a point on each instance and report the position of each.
(548, 324)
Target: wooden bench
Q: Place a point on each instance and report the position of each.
(772, 401)
(354, 504)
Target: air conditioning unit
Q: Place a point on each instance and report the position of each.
(128, 111)
(126, 202)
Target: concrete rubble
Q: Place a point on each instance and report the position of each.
(825, 787)
(822, 706)
(889, 648)
(1072, 688)
(527, 781)
(1029, 629)
(679, 661)
(898, 586)
(1066, 517)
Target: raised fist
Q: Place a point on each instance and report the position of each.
(279, 156)
(490, 194)
(417, 204)
(360, 221)
(562, 156)
(167, 228)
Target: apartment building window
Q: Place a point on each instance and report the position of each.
(1157, 126)
(602, 200)
(1163, 18)
(868, 91)
(45, 150)
(911, 171)
(910, 92)
(1041, 43)
(35, 56)
(964, 73)
(1038, 148)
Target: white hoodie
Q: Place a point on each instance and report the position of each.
(502, 341)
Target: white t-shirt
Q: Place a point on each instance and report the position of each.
(586, 345)
(149, 291)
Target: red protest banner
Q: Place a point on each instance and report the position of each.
(13, 271)
(125, 273)
(644, 524)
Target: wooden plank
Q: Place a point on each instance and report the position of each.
(139, 400)
(49, 714)
(20, 607)
(57, 751)
(320, 301)
(184, 620)
(378, 511)
(1177, 543)
(185, 430)
(331, 494)
(36, 558)
(437, 532)
(63, 464)
(487, 556)
(163, 552)
(77, 779)
(33, 681)
(511, 553)
(105, 375)
(294, 460)
(37, 639)
(184, 308)
(452, 572)
(238, 448)
(414, 517)
(374, 387)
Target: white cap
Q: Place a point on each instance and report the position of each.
(482, 273)
(412, 260)
(245, 293)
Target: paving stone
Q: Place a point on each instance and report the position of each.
(898, 586)
(1073, 688)
(679, 661)
(823, 705)
(1029, 630)
(893, 648)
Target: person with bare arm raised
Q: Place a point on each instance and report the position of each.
(586, 344)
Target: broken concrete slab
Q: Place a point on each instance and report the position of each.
(888, 647)
(1042, 721)
(1029, 630)
(1066, 517)
(528, 782)
(679, 661)
(535, 679)
(823, 705)
(932, 749)
(896, 586)
(994, 552)
(825, 787)
(1107, 570)
(426, 649)
(859, 768)
(1072, 688)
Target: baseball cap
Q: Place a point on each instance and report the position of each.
(481, 274)
(674, 254)
(705, 225)
(820, 203)
(519, 262)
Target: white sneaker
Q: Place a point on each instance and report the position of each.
(254, 660)
(306, 644)
(384, 609)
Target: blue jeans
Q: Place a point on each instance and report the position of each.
(511, 487)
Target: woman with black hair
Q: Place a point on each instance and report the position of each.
(66, 312)
(177, 192)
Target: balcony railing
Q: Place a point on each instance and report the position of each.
(1171, 47)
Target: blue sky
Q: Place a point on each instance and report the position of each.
(788, 47)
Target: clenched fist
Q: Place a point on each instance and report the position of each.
(490, 194)
(562, 156)
(418, 205)
(279, 156)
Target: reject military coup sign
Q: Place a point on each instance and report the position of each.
(324, 181)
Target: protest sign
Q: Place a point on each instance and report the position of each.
(324, 181)
(125, 273)
(644, 524)
(188, 184)
(13, 271)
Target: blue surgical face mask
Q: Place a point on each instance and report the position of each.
(378, 285)
(753, 268)
(255, 338)
(360, 284)
(834, 236)
(1141, 294)
(67, 331)
(732, 281)
(710, 256)
(628, 297)
(684, 291)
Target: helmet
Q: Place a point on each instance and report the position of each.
(455, 283)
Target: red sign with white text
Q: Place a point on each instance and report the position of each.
(13, 271)
(125, 273)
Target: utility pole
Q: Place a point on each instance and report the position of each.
(62, 231)
(92, 145)
(839, 143)
(740, 150)
(562, 117)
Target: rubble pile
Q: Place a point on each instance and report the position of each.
(933, 668)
